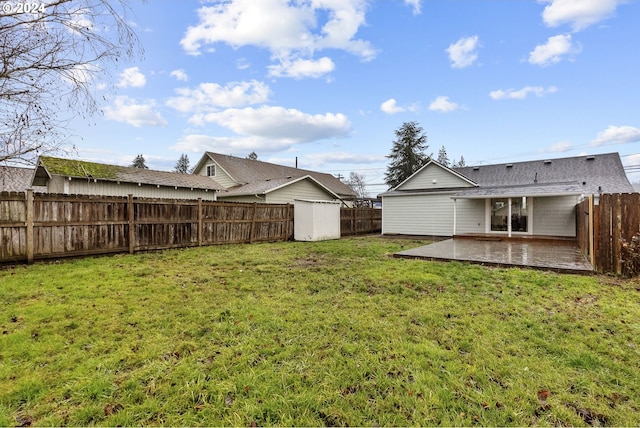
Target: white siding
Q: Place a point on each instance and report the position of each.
(106, 188)
(418, 215)
(221, 177)
(304, 189)
(470, 216)
(555, 216)
(425, 179)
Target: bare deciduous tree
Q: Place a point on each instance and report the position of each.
(52, 56)
(357, 184)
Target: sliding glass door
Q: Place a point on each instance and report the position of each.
(502, 214)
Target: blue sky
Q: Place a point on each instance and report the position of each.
(328, 82)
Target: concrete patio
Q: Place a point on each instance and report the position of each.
(560, 256)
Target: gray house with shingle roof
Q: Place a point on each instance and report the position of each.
(535, 198)
(69, 176)
(248, 180)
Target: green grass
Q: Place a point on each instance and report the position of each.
(328, 333)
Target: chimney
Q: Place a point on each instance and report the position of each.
(296, 162)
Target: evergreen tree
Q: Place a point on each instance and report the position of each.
(253, 156)
(407, 154)
(139, 162)
(443, 159)
(460, 164)
(182, 165)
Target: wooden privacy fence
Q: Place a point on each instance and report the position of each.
(39, 226)
(356, 221)
(608, 232)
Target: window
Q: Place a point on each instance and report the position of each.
(211, 170)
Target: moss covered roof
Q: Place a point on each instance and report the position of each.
(126, 174)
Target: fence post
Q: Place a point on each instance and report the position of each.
(617, 234)
(200, 222)
(590, 231)
(253, 222)
(29, 221)
(132, 233)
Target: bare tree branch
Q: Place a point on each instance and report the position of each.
(50, 63)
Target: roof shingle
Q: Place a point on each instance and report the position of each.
(125, 174)
(265, 176)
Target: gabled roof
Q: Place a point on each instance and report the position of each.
(587, 174)
(15, 179)
(264, 187)
(49, 166)
(268, 175)
(431, 161)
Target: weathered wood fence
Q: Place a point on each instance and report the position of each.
(356, 221)
(605, 229)
(40, 226)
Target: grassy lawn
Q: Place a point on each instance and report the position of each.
(328, 333)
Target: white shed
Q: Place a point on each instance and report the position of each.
(316, 220)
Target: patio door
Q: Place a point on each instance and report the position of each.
(509, 215)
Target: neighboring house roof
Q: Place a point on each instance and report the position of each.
(265, 175)
(268, 186)
(14, 179)
(589, 174)
(49, 166)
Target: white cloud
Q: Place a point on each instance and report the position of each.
(552, 51)
(129, 111)
(523, 93)
(463, 52)
(280, 124)
(132, 78)
(302, 68)
(211, 96)
(415, 4)
(318, 160)
(391, 107)
(198, 143)
(578, 13)
(443, 104)
(243, 64)
(562, 146)
(180, 75)
(289, 30)
(617, 135)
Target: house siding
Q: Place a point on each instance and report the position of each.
(59, 184)
(470, 216)
(418, 215)
(555, 216)
(221, 177)
(425, 179)
(303, 189)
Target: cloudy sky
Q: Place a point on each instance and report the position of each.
(328, 82)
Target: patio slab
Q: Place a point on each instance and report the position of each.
(556, 255)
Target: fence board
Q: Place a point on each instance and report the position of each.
(72, 225)
(355, 221)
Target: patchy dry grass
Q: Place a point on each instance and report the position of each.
(330, 333)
